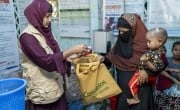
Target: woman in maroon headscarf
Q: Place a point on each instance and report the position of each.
(130, 46)
(44, 64)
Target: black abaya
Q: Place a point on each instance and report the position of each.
(145, 93)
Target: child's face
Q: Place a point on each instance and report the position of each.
(176, 51)
(152, 41)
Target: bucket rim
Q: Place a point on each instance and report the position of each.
(14, 90)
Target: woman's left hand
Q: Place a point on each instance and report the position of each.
(100, 58)
(143, 77)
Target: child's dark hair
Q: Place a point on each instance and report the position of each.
(175, 43)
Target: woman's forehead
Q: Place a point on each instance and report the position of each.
(48, 14)
(123, 28)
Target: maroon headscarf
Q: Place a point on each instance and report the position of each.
(35, 13)
(138, 44)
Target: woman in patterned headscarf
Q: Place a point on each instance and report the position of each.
(130, 45)
(44, 64)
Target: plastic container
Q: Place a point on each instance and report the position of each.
(12, 94)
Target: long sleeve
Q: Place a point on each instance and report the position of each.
(107, 62)
(50, 62)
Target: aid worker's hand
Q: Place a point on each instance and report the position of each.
(71, 58)
(80, 48)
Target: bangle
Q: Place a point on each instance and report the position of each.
(143, 62)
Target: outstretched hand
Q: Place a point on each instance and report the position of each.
(72, 57)
(80, 48)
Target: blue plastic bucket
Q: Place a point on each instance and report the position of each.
(12, 94)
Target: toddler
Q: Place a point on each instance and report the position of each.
(154, 61)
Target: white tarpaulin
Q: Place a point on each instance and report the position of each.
(166, 14)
